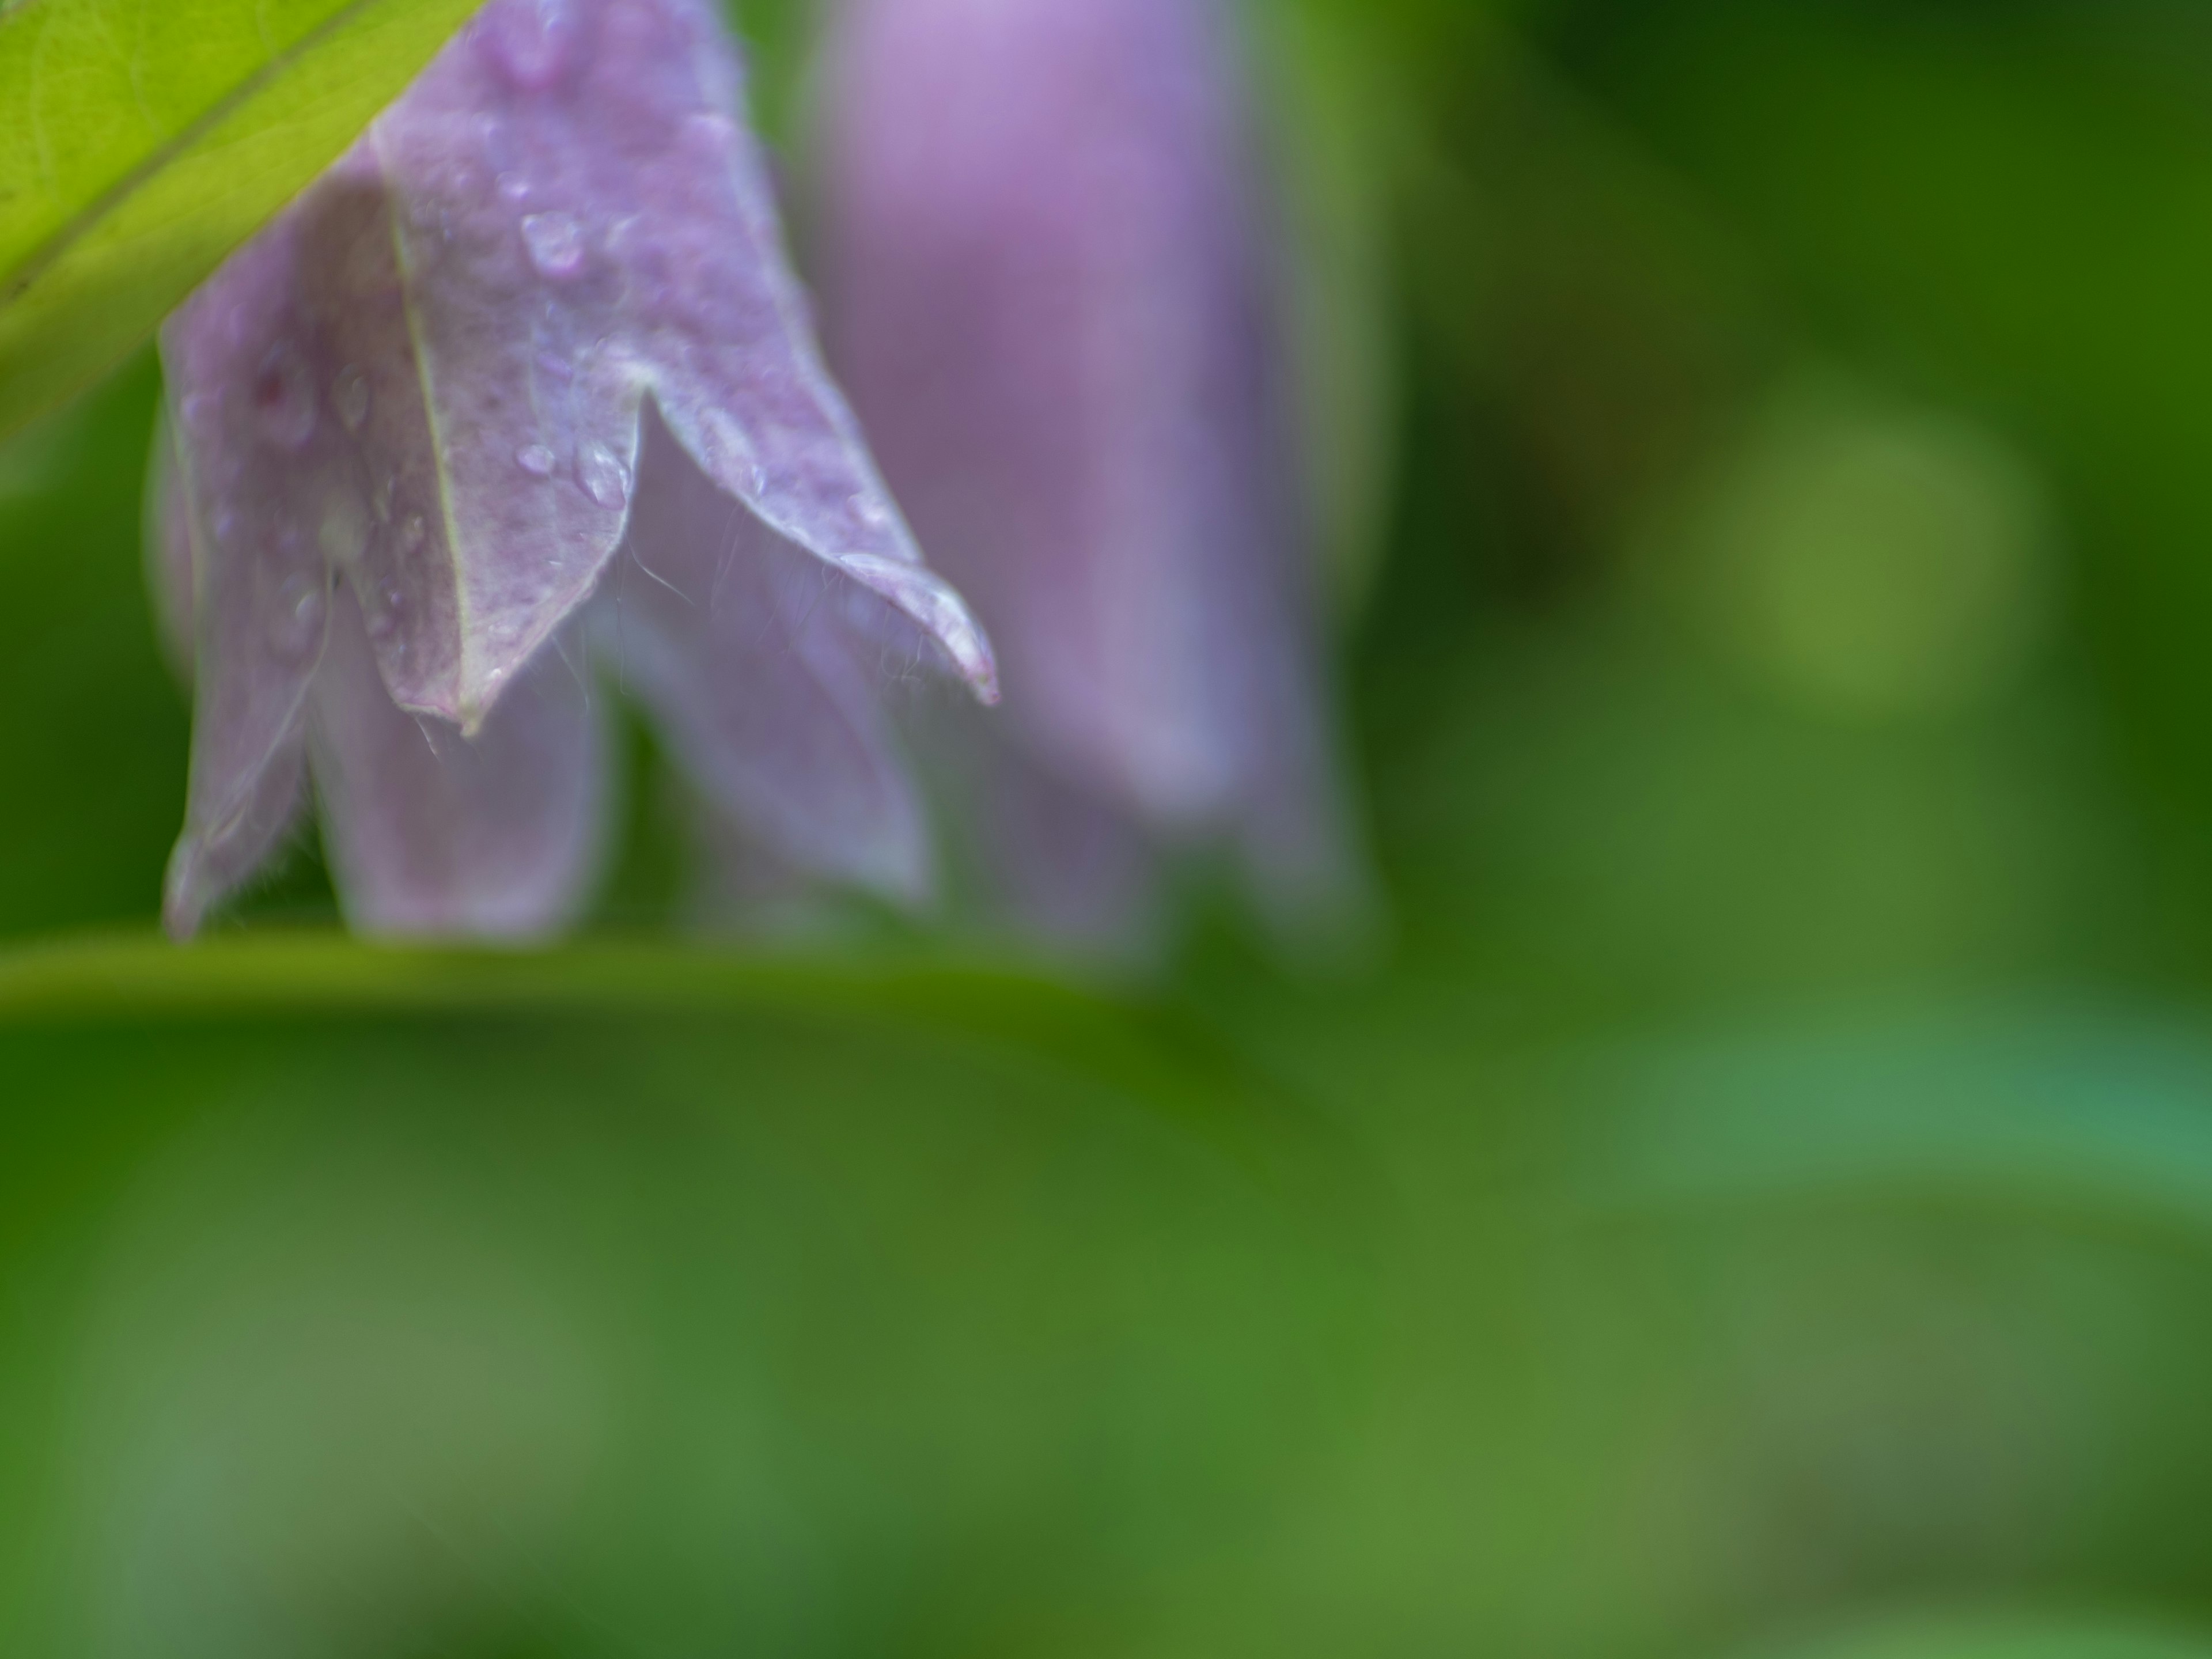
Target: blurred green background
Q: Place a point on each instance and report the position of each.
(1759, 1200)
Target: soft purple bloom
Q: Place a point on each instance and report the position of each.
(542, 305)
(1051, 290)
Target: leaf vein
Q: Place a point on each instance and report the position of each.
(86, 219)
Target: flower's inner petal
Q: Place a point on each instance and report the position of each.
(270, 489)
(432, 834)
(581, 218)
(745, 648)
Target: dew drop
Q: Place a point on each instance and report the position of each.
(536, 459)
(344, 534)
(412, 534)
(603, 474)
(513, 189)
(556, 242)
(871, 511)
(529, 42)
(350, 397)
(284, 397)
(712, 133)
(383, 617)
(297, 621)
(621, 235)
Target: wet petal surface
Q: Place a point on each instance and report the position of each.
(425, 382)
(581, 219)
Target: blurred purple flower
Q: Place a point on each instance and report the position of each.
(1052, 288)
(539, 313)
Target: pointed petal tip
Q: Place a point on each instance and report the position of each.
(940, 612)
(901, 875)
(186, 899)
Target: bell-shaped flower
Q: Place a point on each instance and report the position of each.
(525, 379)
(1052, 288)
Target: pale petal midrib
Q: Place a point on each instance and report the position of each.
(419, 345)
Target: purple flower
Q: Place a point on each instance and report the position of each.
(1051, 290)
(539, 315)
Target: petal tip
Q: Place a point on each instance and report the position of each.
(186, 899)
(941, 613)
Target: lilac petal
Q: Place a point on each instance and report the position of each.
(169, 548)
(427, 378)
(746, 649)
(581, 219)
(269, 488)
(432, 834)
(1056, 864)
(1052, 293)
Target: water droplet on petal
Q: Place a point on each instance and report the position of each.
(537, 460)
(284, 397)
(556, 242)
(412, 534)
(513, 189)
(198, 407)
(344, 534)
(711, 133)
(383, 613)
(620, 234)
(296, 623)
(603, 474)
(871, 511)
(528, 41)
(350, 397)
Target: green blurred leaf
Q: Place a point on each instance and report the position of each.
(283, 975)
(2086, 1109)
(2017, 1635)
(732, 1304)
(140, 143)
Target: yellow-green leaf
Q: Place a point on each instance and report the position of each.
(142, 140)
